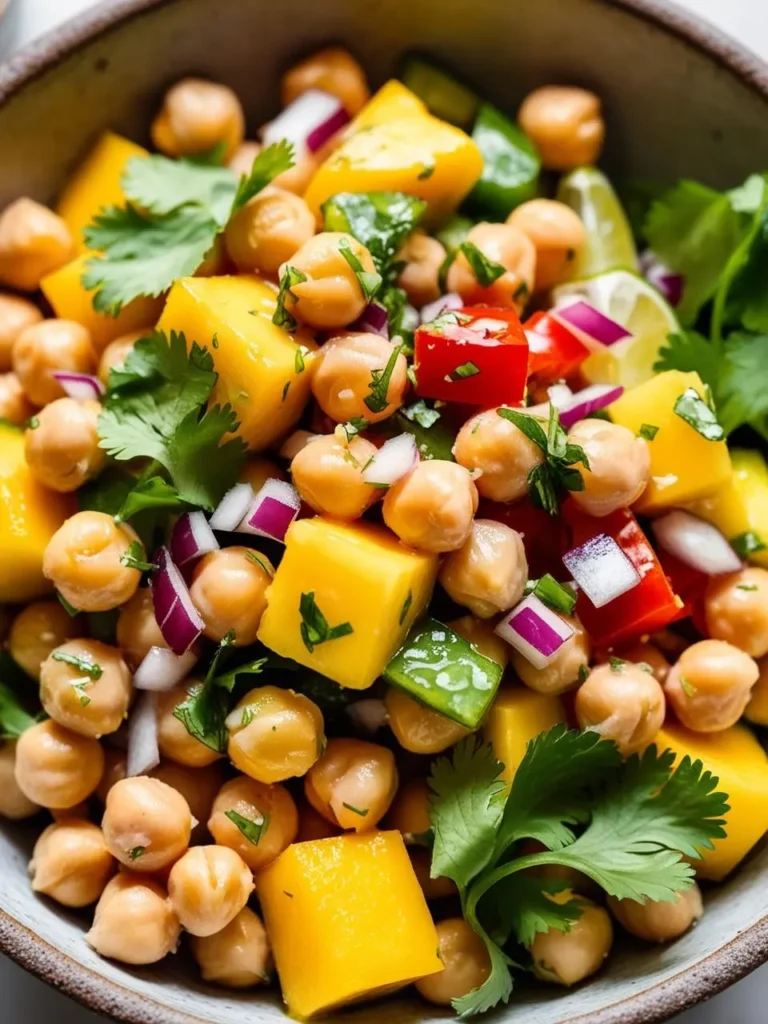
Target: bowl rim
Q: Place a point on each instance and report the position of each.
(723, 967)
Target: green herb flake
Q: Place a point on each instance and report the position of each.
(378, 399)
(747, 586)
(299, 364)
(697, 413)
(85, 665)
(553, 594)
(356, 810)
(617, 664)
(747, 544)
(427, 172)
(83, 697)
(406, 607)
(215, 340)
(369, 281)
(522, 292)
(354, 426)
(583, 673)
(468, 369)
(687, 687)
(68, 608)
(252, 830)
(647, 431)
(484, 269)
(136, 852)
(314, 625)
(255, 557)
(248, 716)
(288, 280)
(421, 413)
(135, 558)
(33, 423)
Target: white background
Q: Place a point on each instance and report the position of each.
(29, 1001)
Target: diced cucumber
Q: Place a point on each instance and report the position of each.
(445, 96)
(511, 164)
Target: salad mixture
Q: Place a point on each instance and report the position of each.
(383, 542)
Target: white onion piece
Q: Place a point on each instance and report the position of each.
(161, 669)
(83, 387)
(601, 569)
(295, 442)
(392, 461)
(370, 714)
(232, 507)
(143, 749)
(272, 511)
(535, 631)
(308, 122)
(696, 543)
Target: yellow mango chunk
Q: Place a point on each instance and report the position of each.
(255, 360)
(750, 478)
(517, 716)
(421, 156)
(392, 102)
(359, 574)
(741, 765)
(684, 465)
(346, 920)
(30, 514)
(71, 301)
(96, 183)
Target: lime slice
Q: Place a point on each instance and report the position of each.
(636, 305)
(609, 237)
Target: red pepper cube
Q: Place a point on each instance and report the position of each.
(555, 352)
(476, 356)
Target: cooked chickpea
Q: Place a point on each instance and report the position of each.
(343, 376)
(62, 449)
(433, 507)
(500, 455)
(563, 671)
(511, 249)
(736, 609)
(238, 956)
(196, 117)
(558, 235)
(659, 922)
(116, 353)
(482, 636)
(331, 296)
(42, 349)
(198, 786)
(257, 803)
(241, 162)
(622, 702)
(297, 178)
(175, 741)
(757, 709)
(71, 863)
(55, 767)
(466, 963)
(91, 701)
(275, 734)
(135, 922)
(14, 803)
(115, 769)
(619, 466)
(208, 887)
(147, 824)
(409, 813)
(418, 728)
(710, 685)
(565, 124)
(328, 474)
(228, 589)
(352, 784)
(566, 958)
(644, 653)
(15, 314)
(36, 631)
(333, 70)
(137, 628)
(257, 470)
(34, 241)
(83, 560)
(268, 231)
(423, 257)
(433, 888)
(313, 825)
(489, 571)
(15, 407)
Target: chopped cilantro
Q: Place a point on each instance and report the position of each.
(288, 279)
(484, 269)
(257, 559)
(79, 689)
(421, 413)
(33, 423)
(68, 608)
(247, 717)
(14, 720)
(298, 362)
(381, 221)
(356, 810)
(378, 399)
(406, 607)
(692, 408)
(251, 829)
(553, 594)
(353, 427)
(747, 586)
(369, 281)
(203, 712)
(648, 431)
(134, 557)
(89, 668)
(314, 625)
(583, 673)
(617, 664)
(468, 369)
(687, 687)
(136, 852)
(427, 172)
(286, 389)
(747, 544)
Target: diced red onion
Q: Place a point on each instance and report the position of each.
(176, 615)
(161, 669)
(670, 284)
(143, 749)
(374, 320)
(369, 714)
(587, 401)
(432, 310)
(232, 507)
(392, 461)
(535, 631)
(309, 122)
(295, 442)
(696, 543)
(272, 511)
(590, 326)
(81, 386)
(601, 569)
(191, 537)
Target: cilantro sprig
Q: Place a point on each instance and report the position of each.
(314, 627)
(378, 399)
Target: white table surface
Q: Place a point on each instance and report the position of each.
(28, 1001)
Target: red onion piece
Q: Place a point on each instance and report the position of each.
(176, 615)
(81, 386)
(161, 669)
(601, 569)
(696, 543)
(590, 326)
(670, 284)
(273, 510)
(191, 538)
(374, 320)
(534, 630)
(369, 714)
(392, 461)
(232, 507)
(432, 310)
(308, 122)
(143, 749)
(587, 401)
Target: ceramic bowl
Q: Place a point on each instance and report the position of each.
(680, 100)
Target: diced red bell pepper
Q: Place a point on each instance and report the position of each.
(555, 352)
(543, 535)
(649, 606)
(477, 355)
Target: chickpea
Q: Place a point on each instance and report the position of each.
(313, 825)
(710, 685)
(241, 162)
(423, 257)
(333, 70)
(15, 407)
(511, 249)
(566, 958)
(147, 825)
(268, 231)
(62, 450)
(353, 784)
(257, 470)
(91, 703)
(558, 235)
(83, 559)
(36, 631)
(198, 786)
(563, 671)
(137, 628)
(659, 922)
(341, 382)
(275, 734)
(42, 349)
(175, 741)
(57, 768)
(216, 262)
(565, 124)
(409, 813)
(15, 314)
(254, 801)
(238, 956)
(489, 572)
(34, 241)
(482, 636)
(208, 887)
(228, 589)
(115, 769)
(433, 888)
(331, 295)
(196, 117)
(135, 922)
(71, 863)
(14, 803)
(466, 961)
(736, 609)
(297, 178)
(619, 466)
(328, 475)
(432, 508)
(757, 709)
(116, 353)
(644, 653)
(624, 704)
(418, 728)
(500, 455)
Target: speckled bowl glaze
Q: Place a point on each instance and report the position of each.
(680, 99)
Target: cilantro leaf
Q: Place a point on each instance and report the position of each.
(151, 493)
(468, 369)
(160, 186)
(14, 720)
(204, 711)
(269, 163)
(692, 408)
(381, 221)
(89, 668)
(369, 282)
(314, 625)
(252, 830)
(742, 396)
(524, 909)
(484, 269)
(227, 680)
(497, 988)
(690, 351)
(202, 467)
(378, 399)
(135, 558)
(425, 415)
(289, 279)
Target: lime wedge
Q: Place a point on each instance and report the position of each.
(635, 304)
(609, 237)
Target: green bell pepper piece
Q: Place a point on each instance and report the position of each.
(446, 97)
(454, 232)
(511, 165)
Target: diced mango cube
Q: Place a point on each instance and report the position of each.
(347, 920)
(359, 574)
(750, 478)
(685, 466)
(724, 509)
(517, 716)
(259, 375)
(740, 763)
(392, 102)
